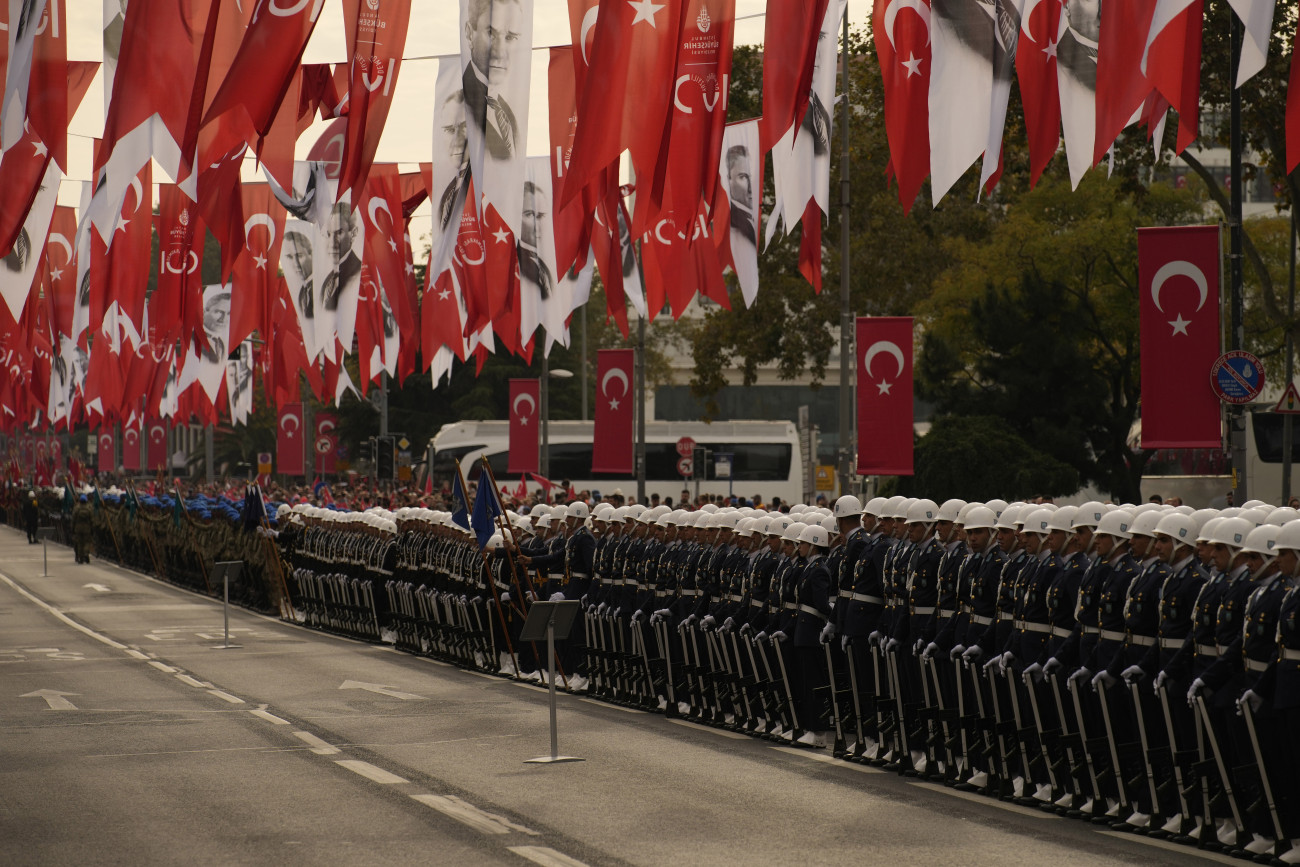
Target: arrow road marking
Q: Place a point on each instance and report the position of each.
(389, 691)
(99, 588)
(53, 698)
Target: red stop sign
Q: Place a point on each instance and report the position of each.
(686, 447)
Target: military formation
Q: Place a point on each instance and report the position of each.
(1132, 666)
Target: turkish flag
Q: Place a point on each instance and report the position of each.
(1293, 109)
(612, 440)
(633, 54)
(884, 395)
(177, 305)
(289, 447)
(1172, 63)
(572, 222)
(525, 406)
(327, 442)
(376, 35)
(131, 445)
(107, 457)
(126, 275)
(156, 450)
(790, 33)
(1178, 278)
(256, 272)
(385, 311)
(1036, 73)
(1122, 87)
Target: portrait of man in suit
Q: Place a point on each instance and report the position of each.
(216, 326)
(295, 260)
(494, 31)
(536, 220)
(451, 129)
(740, 190)
(345, 274)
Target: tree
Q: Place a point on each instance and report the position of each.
(955, 459)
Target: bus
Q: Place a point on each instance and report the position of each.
(765, 458)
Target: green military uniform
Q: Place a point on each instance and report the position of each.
(82, 528)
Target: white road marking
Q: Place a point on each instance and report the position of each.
(828, 760)
(226, 696)
(1172, 847)
(370, 772)
(545, 856)
(735, 736)
(53, 698)
(104, 639)
(468, 814)
(319, 747)
(197, 684)
(269, 717)
(99, 588)
(163, 667)
(391, 692)
(135, 654)
(600, 703)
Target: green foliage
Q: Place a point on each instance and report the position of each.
(977, 457)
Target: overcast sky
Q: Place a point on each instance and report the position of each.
(408, 134)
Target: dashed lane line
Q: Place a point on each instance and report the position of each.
(263, 713)
(546, 856)
(467, 814)
(103, 639)
(319, 747)
(162, 666)
(225, 696)
(193, 681)
(370, 772)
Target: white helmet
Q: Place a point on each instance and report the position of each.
(1144, 524)
(980, 518)
(996, 505)
(874, 506)
(1089, 514)
(745, 527)
(830, 525)
(791, 533)
(1007, 519)
(950, 510)
(1115, 523)
(1231, 532)
(894, 507)
(1062, 519)
(922, 512)
(797, 509)
(1256, 516)
(1262, 540)
(1254, 504)
(634, 511)
(544, 521)
(1038, 521)
(760, 525)
(815, 535)
(494, 542)
(578, 509)
(1289, 536)
(779, 524)
(663, 521)
(726, 520)
(559, 513)
(1200, 516)
(602, 512)
(709, 507)
(539, 510)
(848, 506)
(1181, 528)
(1281, 515)
(1206, 533)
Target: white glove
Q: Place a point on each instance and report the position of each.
(828, 633)
(1133, 674)
(476, 600)
(874, 638)
(994, 664)
(918, 646)
(1102, 680)
(746, 629)
(1161, 679)
(891, 645)
(930, 650)
(845, 641)
(708, 622)
(1197, 687)
(761, 637)
(1032, 673)
(637, 616)
(505, 598)
(600, 609)
(530, 596)
(1052, 664)
(972, 655)
(778, 636)
(583, 600)
(956, 652)
(614, 613)
(1252, 698)
(557, 597)
(464, 597)
(690, 618)
(663, 613)
(729, 624)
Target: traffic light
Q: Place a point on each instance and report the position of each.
(384, 458)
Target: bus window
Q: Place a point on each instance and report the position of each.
(444, 467)
(1268, 438)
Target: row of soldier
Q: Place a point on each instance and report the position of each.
(1136, 666)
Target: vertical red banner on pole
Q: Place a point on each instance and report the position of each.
(613, 443)
(327, 442)
(884, 346)
(289, 441)
(525, 406)
(131, 446)
(1178, 281)
(107, 457)
(156, 457)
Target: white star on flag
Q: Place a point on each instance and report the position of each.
(523, 419)
(261, 262)
(884, 387)
(41, 149)
(913, 66)
(56, 273)
(613, 403)
(1180, 325)
(1050, 48)
(645, 11)
(392, 245)
(442, 296)
(501, 235)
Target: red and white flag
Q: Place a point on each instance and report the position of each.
(156, 448)
(289, 440)
(902, 36)
(1076, 81)
(885, 406)
(131, 444)
(21, 265)
(448, 179)
(1257, 17)
(107, 456)
(612, 440)
(327, 442)
(1122, 87)
(1040, 27)
(573, 221)
(1006, 35)
(961, 89)
(176, 306)
(376, 36)
(1172, 62)
(1178, 278)
(525, 406)
(543, 298)
(790, 36)
(256, 275)
(739, 200)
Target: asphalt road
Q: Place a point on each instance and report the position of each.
(129, 735)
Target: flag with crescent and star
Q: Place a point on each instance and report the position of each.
(131, 431)
(525, 407)
(612, 441)
(289, 440)
(376, 34)
(1172, 62)
(884, 347)
(256, 274)
(1036, 74)
(156, 445)
(1122, 86)
(790, 37)
(1178, 279)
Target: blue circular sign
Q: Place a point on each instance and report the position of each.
(1237, 377)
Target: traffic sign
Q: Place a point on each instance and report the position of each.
(263, 463)
(1237, 377)
(1290, 402)
(685, 466)
(324, 445)
(685, 447)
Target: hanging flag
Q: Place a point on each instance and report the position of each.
(131, 445)
(156, 457)
(961, 89)
(327, 442)
(487, 509)
(885, 402)
(572, 222)
(1076, 81)
(1293, 108)
(449, 172)
(1121, 85)
(376, 32)
(21, 264)
(206, 361)
(176, 302)
(21, 37)
(289, 445)
(741, 173)
(525, 404)
(296, 261)
(388, 320)
(544, 300)
(1178, 280)
(336, 265)
(1172, 62)
(902, 36)
(106, 459)
(790, 36)
(1257, 18)
(1006, 35)
(255, 277)
(239, 383)
(119, 303)
(612, 441)
(1040, 27)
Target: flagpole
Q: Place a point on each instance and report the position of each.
(1236, 413)
(490, 580)
(846, 314)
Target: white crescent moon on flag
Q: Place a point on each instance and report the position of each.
(157, 429)
(588, 22)
(297, 422)
(1030, 5)
(58, 238)
(883, 346)
(131, 436)
(324, 425)
(376, 203)
(613, 373)
(917, 6)
(260, 220)
(105, 441)
(520, 399)
(1179, 268)
(139, 194)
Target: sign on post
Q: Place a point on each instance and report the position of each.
(1289, 404)
(685, 447)
(1237, 377)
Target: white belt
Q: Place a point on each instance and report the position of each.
(579, 574)
(1108, 635)
(862, 597)
(1171, 643)
(808, 609)
(690, 593)
(1029, 626)
(923, 610)
(1092, 630)
(980, 619)
(735, 598)
(1141, 640)
(757, 603)
(631, 583)
(1006, 615)
(1207, 650)
(1061, 631)
(789, 606)
(501, 585)
(555, 576)
(1258, 664)
(1290, 655)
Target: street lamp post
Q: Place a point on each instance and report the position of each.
(544, 459)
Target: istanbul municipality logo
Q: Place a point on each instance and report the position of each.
(703, 21)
